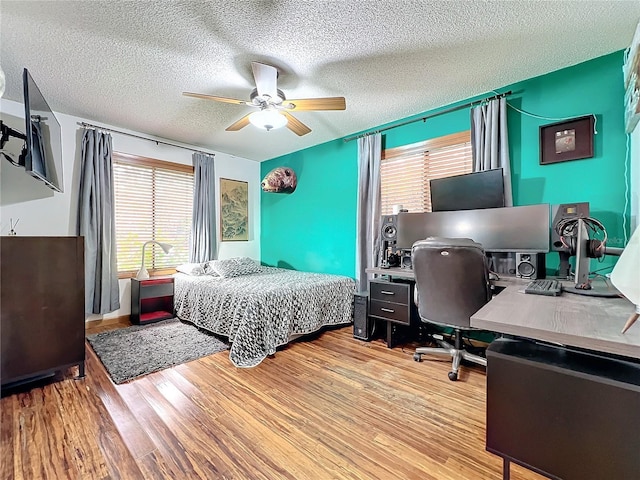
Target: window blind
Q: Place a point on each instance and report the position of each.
(405, 171)
(153, 201)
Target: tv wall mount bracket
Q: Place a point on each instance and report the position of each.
(7, 132)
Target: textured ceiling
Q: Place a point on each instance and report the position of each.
(126, 63)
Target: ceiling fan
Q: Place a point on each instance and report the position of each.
(274, 107)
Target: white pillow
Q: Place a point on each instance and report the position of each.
(191, 268)
(233, 267)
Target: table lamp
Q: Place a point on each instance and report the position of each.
(626, 275)
(143, 274)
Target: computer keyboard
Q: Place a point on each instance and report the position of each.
(544, 287)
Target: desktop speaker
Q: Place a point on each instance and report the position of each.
(362, 324)
(406, 260)
(530, 265)
(389, 229)
(388, 239)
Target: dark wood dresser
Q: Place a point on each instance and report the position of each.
(42, 320)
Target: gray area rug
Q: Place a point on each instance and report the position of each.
(130, 352)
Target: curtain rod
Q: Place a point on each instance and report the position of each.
(91, 125)
(424, 119)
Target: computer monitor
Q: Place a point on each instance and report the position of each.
(468, 192)
(522, 229)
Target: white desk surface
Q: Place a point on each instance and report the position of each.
(593, 323)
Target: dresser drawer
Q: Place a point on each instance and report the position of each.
(393, 312)
(390, 292)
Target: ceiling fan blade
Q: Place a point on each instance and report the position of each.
(328, 103)
(234, 127)
(295, 125)
(266, 78)
(217, 99)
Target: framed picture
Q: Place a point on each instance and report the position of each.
(234, 210)
(568, 140)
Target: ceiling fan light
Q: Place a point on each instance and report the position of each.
(268, 119)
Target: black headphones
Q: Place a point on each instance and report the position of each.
(567, 230)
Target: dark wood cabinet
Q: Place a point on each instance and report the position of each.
(566, 414)
(151, 300)
(42, 317)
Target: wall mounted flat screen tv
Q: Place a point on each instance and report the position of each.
(468, 192)
(44, 137)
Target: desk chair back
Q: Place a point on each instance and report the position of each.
(452, 280)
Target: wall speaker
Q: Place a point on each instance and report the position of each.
(362, 324)
(531, 265)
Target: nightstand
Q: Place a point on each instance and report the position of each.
(151, 300)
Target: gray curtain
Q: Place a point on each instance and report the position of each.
(97, 224)
(203, 227)
(490, 141)
(368, 210)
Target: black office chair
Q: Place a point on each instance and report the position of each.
(452, 283)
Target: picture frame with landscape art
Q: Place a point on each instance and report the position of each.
(567, 140)
(234, 210)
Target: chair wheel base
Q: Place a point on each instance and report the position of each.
(417, 357)
(453, 376)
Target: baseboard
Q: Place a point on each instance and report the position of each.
(102, 322)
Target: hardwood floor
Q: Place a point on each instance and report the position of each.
(330, 408)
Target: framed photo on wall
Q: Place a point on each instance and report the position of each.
(567, 140)
(234, 210)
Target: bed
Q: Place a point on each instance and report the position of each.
(263, 309)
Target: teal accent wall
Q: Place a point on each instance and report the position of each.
(591, 87)
(313, 229)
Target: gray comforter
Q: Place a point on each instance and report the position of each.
(262, 311)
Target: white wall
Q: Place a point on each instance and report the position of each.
(41, 211)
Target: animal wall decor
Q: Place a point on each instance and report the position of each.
(280, 180)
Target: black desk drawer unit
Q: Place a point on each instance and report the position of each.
(390, 301)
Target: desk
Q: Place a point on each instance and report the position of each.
(407, 274)
(565, 413)
(395, 272)
(593, 323)
(395, 325)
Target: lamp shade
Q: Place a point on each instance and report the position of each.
(143, 273)
(166, 248)
(268, 119)
(626, 276)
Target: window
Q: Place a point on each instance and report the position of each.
(154, 201)
(405, 171)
